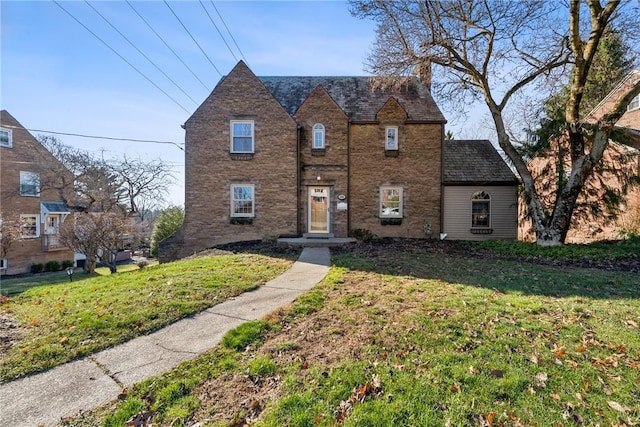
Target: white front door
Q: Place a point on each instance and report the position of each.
(319, 209)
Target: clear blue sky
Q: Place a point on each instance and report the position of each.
(57, 76)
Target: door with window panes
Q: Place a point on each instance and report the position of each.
(319, 214)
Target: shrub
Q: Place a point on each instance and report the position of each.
(362, 234)
(66, 264)
(52, 266)
(36, 268)
(142, 263)
(169, 221)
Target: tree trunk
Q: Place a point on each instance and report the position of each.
(90, 266)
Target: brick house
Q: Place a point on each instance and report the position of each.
(38, 211)
(269, 157)
(620, 164)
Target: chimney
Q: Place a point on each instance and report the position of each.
(423, 72)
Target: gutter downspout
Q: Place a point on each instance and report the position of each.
(348, 177)
(298, 183)
(441, 180)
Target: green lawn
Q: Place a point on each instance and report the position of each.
(399, 336)
(62, 320)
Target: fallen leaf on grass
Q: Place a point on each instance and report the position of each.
(541, 379)
(631, 323)
(618, 407)
(371, 389)
(63, 340)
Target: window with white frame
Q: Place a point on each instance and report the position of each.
(29, 184)
(391, 202)
(3, 264)
(635, 103)
(242, 200)
(242, 140)
(29, 226)
(480, 210)
(391, 138)
(6, 137)
(318, 137)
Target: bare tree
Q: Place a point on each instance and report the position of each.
(9, 231)
(493, 50)
(105, 196)
(96, 235)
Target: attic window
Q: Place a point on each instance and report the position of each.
(6, 137)
(391, 138)
(635, 103)
(242, 140)
(318, 137)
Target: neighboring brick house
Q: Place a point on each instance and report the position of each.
(619, 166)
(38, 211)
(269, 157)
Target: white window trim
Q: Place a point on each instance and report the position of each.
(253, 202)
(477, 201)
(635, 100)
(26, 175)
(9, 143)
(400, 204)
(4, 264)
(386, 138)
(253, 139)
(322, 132)
(37, 217)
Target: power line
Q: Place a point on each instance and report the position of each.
(229, 31)
(167, 45)
(140, 52)
(218, 30)
(193, 38)
(121, 57)
(177, 144)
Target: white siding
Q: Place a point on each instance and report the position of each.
(457, 212)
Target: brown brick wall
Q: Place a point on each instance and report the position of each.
(28, 155)
(210, 169)
(417, 169)
(330, 164)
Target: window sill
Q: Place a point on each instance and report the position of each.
(241, 156)
(241, 220)
(318, 151)
(481, 231)
(390, 221)
(391, 153)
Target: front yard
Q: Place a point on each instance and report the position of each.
(404, 333)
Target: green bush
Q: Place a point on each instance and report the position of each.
(66, 264)
(52, 266)
(169, 221)
(362, 234)
(36, 268)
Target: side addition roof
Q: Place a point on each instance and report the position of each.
(468, 162)
(359, 97)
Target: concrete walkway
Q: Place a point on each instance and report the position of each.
(64, 391)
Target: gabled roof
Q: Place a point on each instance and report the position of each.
(468, 162)
(358, 97)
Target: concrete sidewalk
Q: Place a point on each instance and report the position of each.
(43, 399)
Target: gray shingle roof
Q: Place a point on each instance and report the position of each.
(356, 96)
(474, 162)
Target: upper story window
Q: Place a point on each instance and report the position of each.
(6, 137)
(391, 138)
(242, 200)
(29, 184)
(242, 139)
(480, 210)
(635, 103)
(29, 226)
(318, 137)
(391, 202)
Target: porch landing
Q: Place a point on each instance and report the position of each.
(317, 242)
